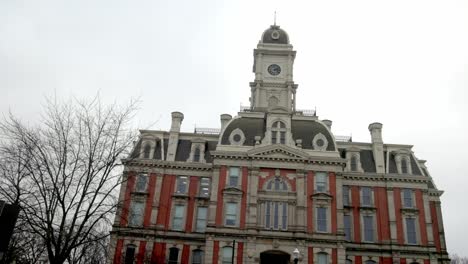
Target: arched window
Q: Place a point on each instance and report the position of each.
(277, 184)
(197, 256)
(322, 258)
(353, 163)
(173, 255)
(130, 254)
(227, 255)
(278, 133)
(146, 151)
(404, 166)
(196, 154)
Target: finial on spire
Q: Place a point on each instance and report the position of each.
(275, 19)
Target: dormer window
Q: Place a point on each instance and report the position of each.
(196, 155)
(278, 133)
(404, 166)
(353, 155)
(353, 163)
(402, 159)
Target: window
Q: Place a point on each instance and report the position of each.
(345, 195)
(204, 187)
(407, 198)
(147, 151)
(276, 215)
(196, 155)
(411, 230)
(366, 196)
(173, 255)
(322, 258)
(136, 213)
(347, 227)
(277, 184)
(200, 225)
(278, 133)
(197, 256)
(231, 214)
(227, 255)
(141, 181)
(234, 176)
(368, 228)
(130, 254)
(178, 217)
(404, 166)
(354, 163)
(321, 182)
(322, 219)
(182, 184)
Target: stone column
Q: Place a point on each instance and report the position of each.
(427, 212)
(252, 198)
(391, 215)
(301, 213)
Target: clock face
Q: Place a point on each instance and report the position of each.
(274, 69)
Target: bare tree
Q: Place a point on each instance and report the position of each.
(455, 259)
(64, 172)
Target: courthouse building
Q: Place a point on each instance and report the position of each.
(274, 180)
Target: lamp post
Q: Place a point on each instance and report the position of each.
(296, 255)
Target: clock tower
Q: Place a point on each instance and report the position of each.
(273, 89)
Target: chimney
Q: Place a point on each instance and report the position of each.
(377, 146)
(224, 120)
(177, 118)
(328, 123)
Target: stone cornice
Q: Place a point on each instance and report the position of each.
(169, 164)
(384, 177)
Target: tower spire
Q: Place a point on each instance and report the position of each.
(275, 19)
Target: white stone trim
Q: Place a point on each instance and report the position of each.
(235, 132)
(325, 142)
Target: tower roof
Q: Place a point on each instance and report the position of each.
(275, 35)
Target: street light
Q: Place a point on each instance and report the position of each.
(296, 255)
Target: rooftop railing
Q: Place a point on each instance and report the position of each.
(207, 131)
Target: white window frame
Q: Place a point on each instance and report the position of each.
(371, 198)
(325, 182)
(139, 178)
(363, 227)
(182, 181)
(230, 175)
(270, 215)
(203, 186)
(416, 228)
(404, 198)
(351, 233)
(133, 213)
(182, 217)
(198, 220)
(346, 194)
(235, 215)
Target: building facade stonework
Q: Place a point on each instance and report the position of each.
(275, 179)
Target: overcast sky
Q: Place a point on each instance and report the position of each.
(402, 63)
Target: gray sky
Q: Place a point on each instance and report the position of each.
(402, 63)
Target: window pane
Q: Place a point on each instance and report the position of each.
(173, 255)
(368, 228)
(345, 195)
(233, 176)
(182, 184)
(274, 136)
(411, 230)
(196, 155)
(130, 254)
(407, 198)
(322, 258)
(276, 216)
(366, 196)
(347, 227)
(141, 183)
(404, 166)
(231, 214)
(353, 163)
(322, 219)
(136, 213)
(227, 255)
(197, 257)
(282, 137)
(285, 217)
(178, 219)
(268, 215)
(204, 187)
(201, 219)
(321, 181)
(146, 151)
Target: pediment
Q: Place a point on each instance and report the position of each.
(277, 151)
(232, 191)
